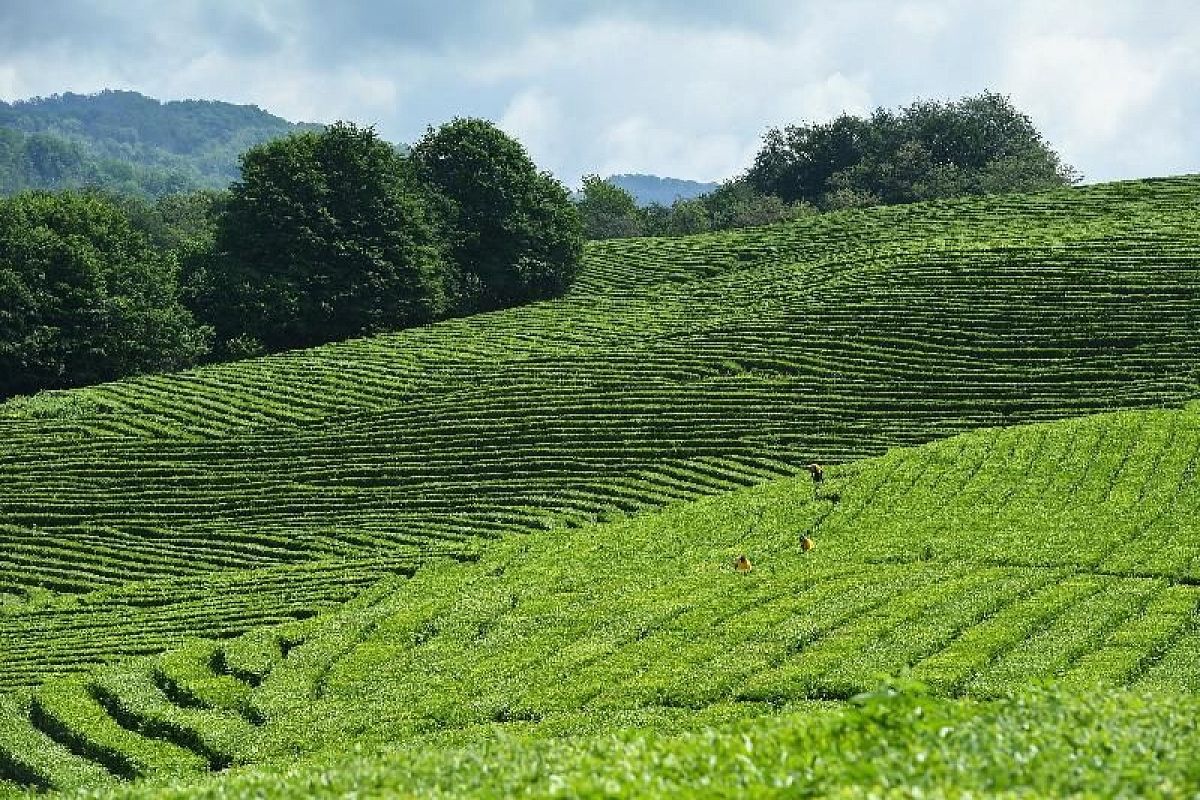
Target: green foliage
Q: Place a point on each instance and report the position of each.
(929, 150)
(85, 298)
(32, 759)
(736, 205)
(608, 211)
(1043, 743)
(240, 496)
(675, 368)
(976, 145)
(186, 676)
(179, 223)
(571, 640)
(40, 161)
(687, 217)
(128, 144)
(514, 234)
(71, 714)
(324, 237)
(131, 696)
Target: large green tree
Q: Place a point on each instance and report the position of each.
(326, 236)
(84, 297)
(976, 145)
(514, 234)
(608, 211)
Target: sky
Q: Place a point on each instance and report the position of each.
(681, 88)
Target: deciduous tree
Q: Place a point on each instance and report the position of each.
(84, 297)
(325, 236)
(513, 232)
(976, 145)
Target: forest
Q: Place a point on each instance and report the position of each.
(128, 143)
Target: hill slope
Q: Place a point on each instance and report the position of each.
(217, 500)
(127, 142)
(980, 564)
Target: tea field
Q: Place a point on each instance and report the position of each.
(513, 533)
(976, 568)
(676, 369)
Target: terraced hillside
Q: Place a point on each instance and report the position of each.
(980, 564)
(215, 501)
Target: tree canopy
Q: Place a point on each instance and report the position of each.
(329, 234)
(325, 236)
(608, 211)
(332, 233)
(514, 235)
(84, 297)
(976, 145)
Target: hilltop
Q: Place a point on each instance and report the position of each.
(129, 143)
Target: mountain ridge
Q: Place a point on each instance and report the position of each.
(649, 189)
(127, 142)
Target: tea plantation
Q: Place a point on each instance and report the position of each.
(977, 567)
(495, 554)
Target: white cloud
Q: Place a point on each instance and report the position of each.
(671, 87)
(824, 99)
(923, 19)
(8, 81)
(1115, 101)
(1094, 87)
(626, 96)
(636, 144)
(535, 119)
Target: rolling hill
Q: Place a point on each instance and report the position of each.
(980, 564)
(675, 368)
(429, 533)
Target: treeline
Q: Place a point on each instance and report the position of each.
(333, 233)
(928, 150)
(327, 235)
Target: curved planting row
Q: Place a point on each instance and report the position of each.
(634, 293)
(738, 358)
(1062, 552)
(181, 715)
(193, 710)
(50, 635)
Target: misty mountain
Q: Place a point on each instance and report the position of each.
(647, 189)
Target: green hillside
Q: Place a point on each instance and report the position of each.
(128, 143)
(675, 369)
(980, 565)
(442, 519)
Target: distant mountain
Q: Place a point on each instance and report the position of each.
(647, 189)
(127, 142)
